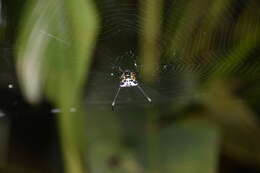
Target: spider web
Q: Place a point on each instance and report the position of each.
(201, 54)
(104, 82)
(208, 48)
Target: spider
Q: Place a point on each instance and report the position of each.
(128, 79)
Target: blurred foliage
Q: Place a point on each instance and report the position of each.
(215, 48)
(56, 66)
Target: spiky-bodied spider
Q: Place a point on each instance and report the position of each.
(128, 79)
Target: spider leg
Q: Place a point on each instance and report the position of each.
(137, 66)
(120, 69)
(146, 96)
(114, 101)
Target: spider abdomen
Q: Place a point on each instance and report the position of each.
(128, 82)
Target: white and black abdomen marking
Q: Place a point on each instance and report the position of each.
(128, 82)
